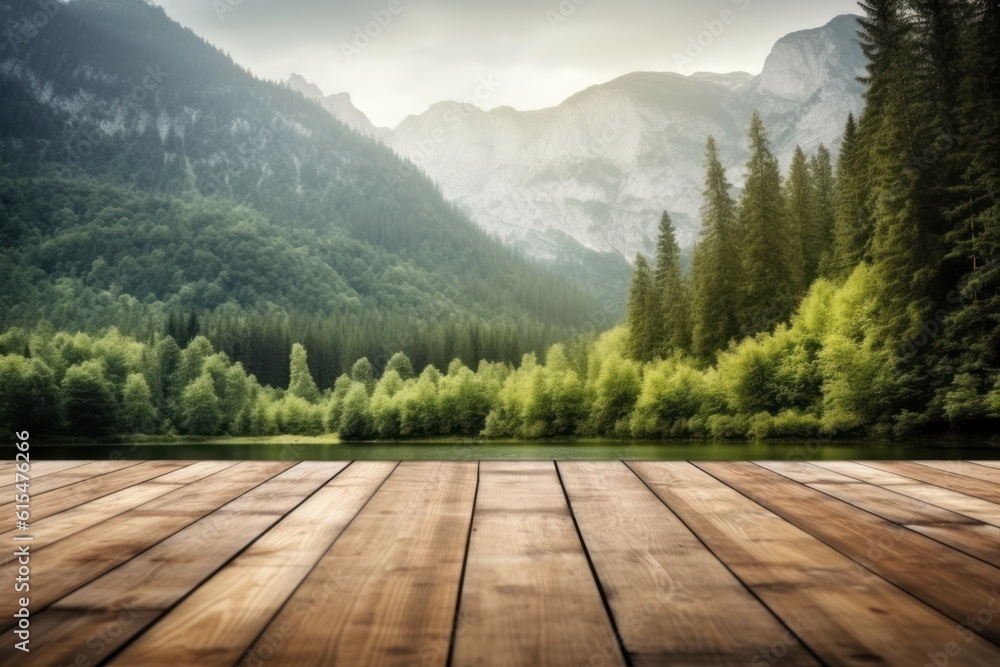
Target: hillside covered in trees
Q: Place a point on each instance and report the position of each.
(145, 177)
(856, 299)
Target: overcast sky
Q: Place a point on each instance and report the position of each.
(532, 53)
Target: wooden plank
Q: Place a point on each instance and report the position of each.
(951, 582)
(989, 464)
(984, 473)
(58, 480)
(674, 602)
(948, 480)
(529, 596)
(84, 491)
(955, 530)
(158, 578)
(218, 622)
(54, 528)
(386, 592)
(972, 507)
(43, 468)
(61, 568)
(845, 614)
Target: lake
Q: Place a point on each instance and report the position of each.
(458, 451)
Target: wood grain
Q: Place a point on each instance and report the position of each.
(529, 597)
(158, 578)
(956, 530)
(61, 568)
(385, 593)
(970, 506)
(841, 611)
(948, 480)
(951, 582)
(674, 602)
(984, 473)
(216, 624)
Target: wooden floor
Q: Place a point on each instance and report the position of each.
(508, 563)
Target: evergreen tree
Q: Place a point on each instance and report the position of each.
(88, 399)
(138, 414)
(819, 245)
(714, 299)
(400, 363)
(643, 317)
(29, 399)
(363, 372)
(301, 383)
(852, 223)
(672, 293)
(901, 258)
(769, 256)
(799, 198)
(356, 421)
(973, 336)
(200, 411)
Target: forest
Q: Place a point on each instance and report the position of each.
(855, 296)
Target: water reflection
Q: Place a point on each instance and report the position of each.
(452, 451)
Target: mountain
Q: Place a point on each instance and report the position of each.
(143, 171)
(807, 88)
(339, 105)
(589, 178)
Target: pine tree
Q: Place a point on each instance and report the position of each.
(671, 292)
(201, 413)
(364, 373)
(400, 363)
(852, 223)
(138, 414)
(643, 317)
(714, 298)
(974, 330)
(769, 262)
(88, 399)
(799, 198)
(901, 258)
(302, 383)
(820, 244)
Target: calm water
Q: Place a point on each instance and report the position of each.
(699, 451)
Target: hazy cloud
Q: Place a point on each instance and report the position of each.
(397, 57)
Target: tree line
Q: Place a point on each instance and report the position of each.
(849, 302)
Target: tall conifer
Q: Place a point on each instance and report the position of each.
(769, 256)
(714, 300)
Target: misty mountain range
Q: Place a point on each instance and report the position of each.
(583, 183)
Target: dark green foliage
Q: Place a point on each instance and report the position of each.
(363, 373)
(643, 314)
(29, 399)
(673, 293)
(200, 410)
(88, 400)
(138, 415)
(818, 242)
(799, 199)
(852, 224)
(714, 299)
(401, 364)
(770, 258)
(301, 383)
